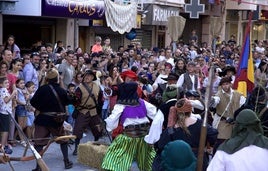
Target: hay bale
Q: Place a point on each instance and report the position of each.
(92, 154)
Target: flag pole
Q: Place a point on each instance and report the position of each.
(244, 80)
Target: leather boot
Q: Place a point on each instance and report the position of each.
(68, 164)
(37, 168)
(75, 151)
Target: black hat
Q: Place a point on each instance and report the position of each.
(192, 93)
(226, 69)
(156, 49)
(127, 94)
(171, 76)
(89, 72)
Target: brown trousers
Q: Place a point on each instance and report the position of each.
(82, 121)
(45, 132)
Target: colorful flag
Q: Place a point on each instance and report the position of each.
(244, 81)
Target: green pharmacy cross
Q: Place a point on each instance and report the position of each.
(194, 8)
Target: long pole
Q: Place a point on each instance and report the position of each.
(202, 140)
(37, 156)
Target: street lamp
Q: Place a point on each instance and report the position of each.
(7, 5)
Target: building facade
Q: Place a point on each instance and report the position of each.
(77, 23)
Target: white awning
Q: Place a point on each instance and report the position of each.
(234, 5)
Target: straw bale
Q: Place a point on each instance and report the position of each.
(92, 154)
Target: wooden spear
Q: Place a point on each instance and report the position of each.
(203, 136)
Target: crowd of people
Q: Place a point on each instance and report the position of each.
(150, 99)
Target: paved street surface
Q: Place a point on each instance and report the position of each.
(53, 158)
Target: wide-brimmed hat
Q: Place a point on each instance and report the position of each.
(90, 72)
(127, 94)
(226, 69)
(52, 73)
(171, 76)
(192, 93)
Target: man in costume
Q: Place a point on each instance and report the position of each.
(247, 138)
(87, 94)
(189, 80)
(227, 101)
(133, 113)
(51, 117)
(169, 97)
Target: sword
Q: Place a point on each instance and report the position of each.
(37, 156)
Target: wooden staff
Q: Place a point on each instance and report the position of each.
(203, 136)
(37, 156)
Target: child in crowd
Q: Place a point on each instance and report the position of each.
(106, 94)
(107, 47)
(20, 110)
(30, 88)
(96, 48)
(5, 109)
(70, 108)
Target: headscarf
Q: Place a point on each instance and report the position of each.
(174, 110)
(129, 74)
(127, 94)
(247, 131)
(178, 156)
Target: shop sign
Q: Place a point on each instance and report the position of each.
(87, 9)
(160, 14)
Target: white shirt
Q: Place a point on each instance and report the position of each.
(159, 80)
(113, 120)
(217, 99)
(4, 107)
(251, 158)
(181, 81)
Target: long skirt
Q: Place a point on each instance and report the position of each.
(124, 150)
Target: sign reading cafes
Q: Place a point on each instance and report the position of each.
(87, 9)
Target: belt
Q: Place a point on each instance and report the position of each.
(223, 118)
(137, 126)
(53, 113)
(227, 119)
(80, 108)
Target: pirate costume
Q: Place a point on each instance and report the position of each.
(133, 113)
(51, 117)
